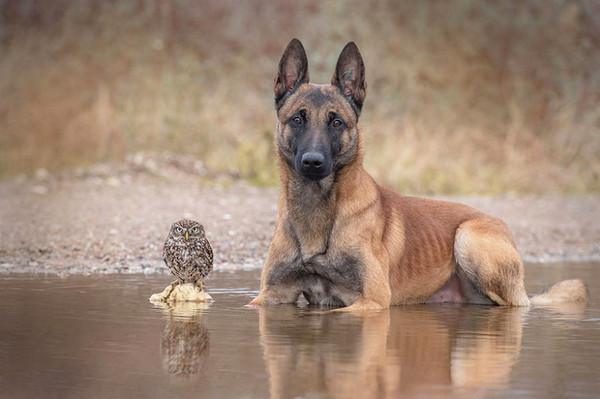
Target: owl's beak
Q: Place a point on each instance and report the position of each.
(187, 235)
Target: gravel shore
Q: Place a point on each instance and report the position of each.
(113, 218)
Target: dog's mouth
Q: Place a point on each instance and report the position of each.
(314, 176)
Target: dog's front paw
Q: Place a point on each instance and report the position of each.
(274, 297)
(256, 302)
(362, 306)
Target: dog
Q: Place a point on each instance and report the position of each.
(343, 241)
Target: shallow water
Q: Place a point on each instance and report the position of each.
(100, 337)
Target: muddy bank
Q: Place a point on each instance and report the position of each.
(114, 219)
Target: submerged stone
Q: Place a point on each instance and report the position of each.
(181, 293)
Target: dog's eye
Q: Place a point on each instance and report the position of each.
(297, 120)
(336, 123)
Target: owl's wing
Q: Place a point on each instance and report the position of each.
(207, 254)
(166, 256)
(172, 256)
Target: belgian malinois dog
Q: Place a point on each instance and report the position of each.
(343, 241)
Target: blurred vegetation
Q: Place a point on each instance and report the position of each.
(464, 96)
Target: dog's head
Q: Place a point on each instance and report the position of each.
(317, 133)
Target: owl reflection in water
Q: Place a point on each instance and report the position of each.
(185, 341)
(187, 253)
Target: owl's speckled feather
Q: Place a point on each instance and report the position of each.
(189, 259)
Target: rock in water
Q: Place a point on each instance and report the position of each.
(181, 293)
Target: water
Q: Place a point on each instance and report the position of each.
(99, 337)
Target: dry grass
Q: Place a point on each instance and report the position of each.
(464, 96)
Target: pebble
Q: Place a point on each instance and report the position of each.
(42, 190)
(42, 174)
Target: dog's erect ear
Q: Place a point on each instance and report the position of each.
(293, 71)
(349, 76)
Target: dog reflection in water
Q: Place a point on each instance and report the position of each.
(185, 341)
(446, 350)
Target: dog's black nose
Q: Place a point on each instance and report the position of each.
(313, 161)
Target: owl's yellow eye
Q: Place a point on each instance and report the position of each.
(179, 229)
(195, 230)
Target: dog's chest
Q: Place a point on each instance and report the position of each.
(331, 280)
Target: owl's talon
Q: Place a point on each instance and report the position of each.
(200, 285)
(173, 285)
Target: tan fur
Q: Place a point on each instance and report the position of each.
(562, 292)
(406, 249)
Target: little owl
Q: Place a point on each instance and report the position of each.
(187, 253)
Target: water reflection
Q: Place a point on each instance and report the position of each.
(185, 340)
(309, 353)
(97, 337)
(405, 351)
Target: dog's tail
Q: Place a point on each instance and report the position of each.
(563, 292)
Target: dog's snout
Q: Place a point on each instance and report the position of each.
(313, 164)
(313, 160)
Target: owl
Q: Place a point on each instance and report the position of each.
(187, 253)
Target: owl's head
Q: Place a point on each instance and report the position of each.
(185, 229)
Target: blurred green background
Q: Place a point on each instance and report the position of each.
(463, 96)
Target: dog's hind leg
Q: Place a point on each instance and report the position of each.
(488, 264)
